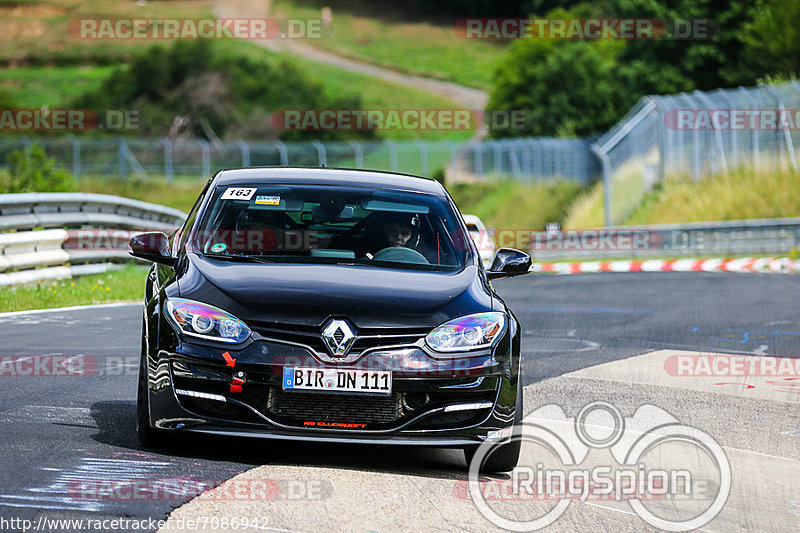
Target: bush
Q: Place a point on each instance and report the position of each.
(32, 171)
(193, 89)
(535, 205)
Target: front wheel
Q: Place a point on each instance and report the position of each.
(148, 436)
(503, 457)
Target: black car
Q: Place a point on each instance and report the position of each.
(328, 305)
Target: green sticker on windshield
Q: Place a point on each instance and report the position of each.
(219, 247)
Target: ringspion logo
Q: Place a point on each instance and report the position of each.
(674, 477)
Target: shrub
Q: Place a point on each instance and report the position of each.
(32, 171)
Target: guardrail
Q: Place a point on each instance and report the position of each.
(702, 239)
(92, 233)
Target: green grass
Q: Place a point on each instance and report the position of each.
(375, 93)
(587, 209)
(741, 194)
(34, 87)
(507, 205)
(389, 41)
(39, 30)
(737, 195)
(57, 84)
(180, 193)
(122, 285)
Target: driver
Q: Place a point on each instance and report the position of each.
(397, 233)
(397, 230)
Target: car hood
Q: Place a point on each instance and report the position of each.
(308, 295)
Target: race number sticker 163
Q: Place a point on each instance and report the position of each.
(238, 193)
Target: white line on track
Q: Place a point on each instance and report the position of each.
(66, 309)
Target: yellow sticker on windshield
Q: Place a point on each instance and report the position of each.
(268, 200)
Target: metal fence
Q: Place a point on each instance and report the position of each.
(92, 233)
(523, 159)
(690, 134)
(696, 135)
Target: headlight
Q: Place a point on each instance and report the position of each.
(205, 321)
(470, 332)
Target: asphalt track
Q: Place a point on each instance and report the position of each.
(586, 338)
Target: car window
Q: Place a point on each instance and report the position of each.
(330, 224)
(183, 233)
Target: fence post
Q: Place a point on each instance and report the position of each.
(660, 138)
(734, 148)
(477, 154)
(753, 131)
(717, 133)
(206, 150)
(245, 149)
(606, 166)
(322, 154)
(358, 153)
(696, 144)
(76, 156)
(168, 170)
(423, 157)
(526, 158)
(123, 169)
(392, 155)
(283, 153)
(497, 156)
(513, 160)
(787, 135)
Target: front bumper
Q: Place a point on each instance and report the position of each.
(452, 403)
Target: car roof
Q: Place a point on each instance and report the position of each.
(329, 176)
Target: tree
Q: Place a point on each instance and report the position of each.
(772, 38)
(566, 88)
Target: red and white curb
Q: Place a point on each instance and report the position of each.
(779, 265)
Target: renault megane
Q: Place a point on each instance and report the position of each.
(328, 305)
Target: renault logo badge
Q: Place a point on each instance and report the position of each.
(338, 337)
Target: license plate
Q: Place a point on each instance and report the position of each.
(337, 380)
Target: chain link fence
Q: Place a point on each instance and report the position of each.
(689, 134)
(528, 160)
(695, 135)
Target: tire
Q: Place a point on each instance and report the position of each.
(149, 436)
(502, 458)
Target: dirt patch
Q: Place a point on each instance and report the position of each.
(20, 21)
(11, 29)
(31, 10)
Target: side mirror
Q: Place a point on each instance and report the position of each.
(153, 246)
(509, 262)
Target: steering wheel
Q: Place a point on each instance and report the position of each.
(400, 254)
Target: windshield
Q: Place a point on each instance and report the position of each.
(331, 224)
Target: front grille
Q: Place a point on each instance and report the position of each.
(366, 338)
(300, 407)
